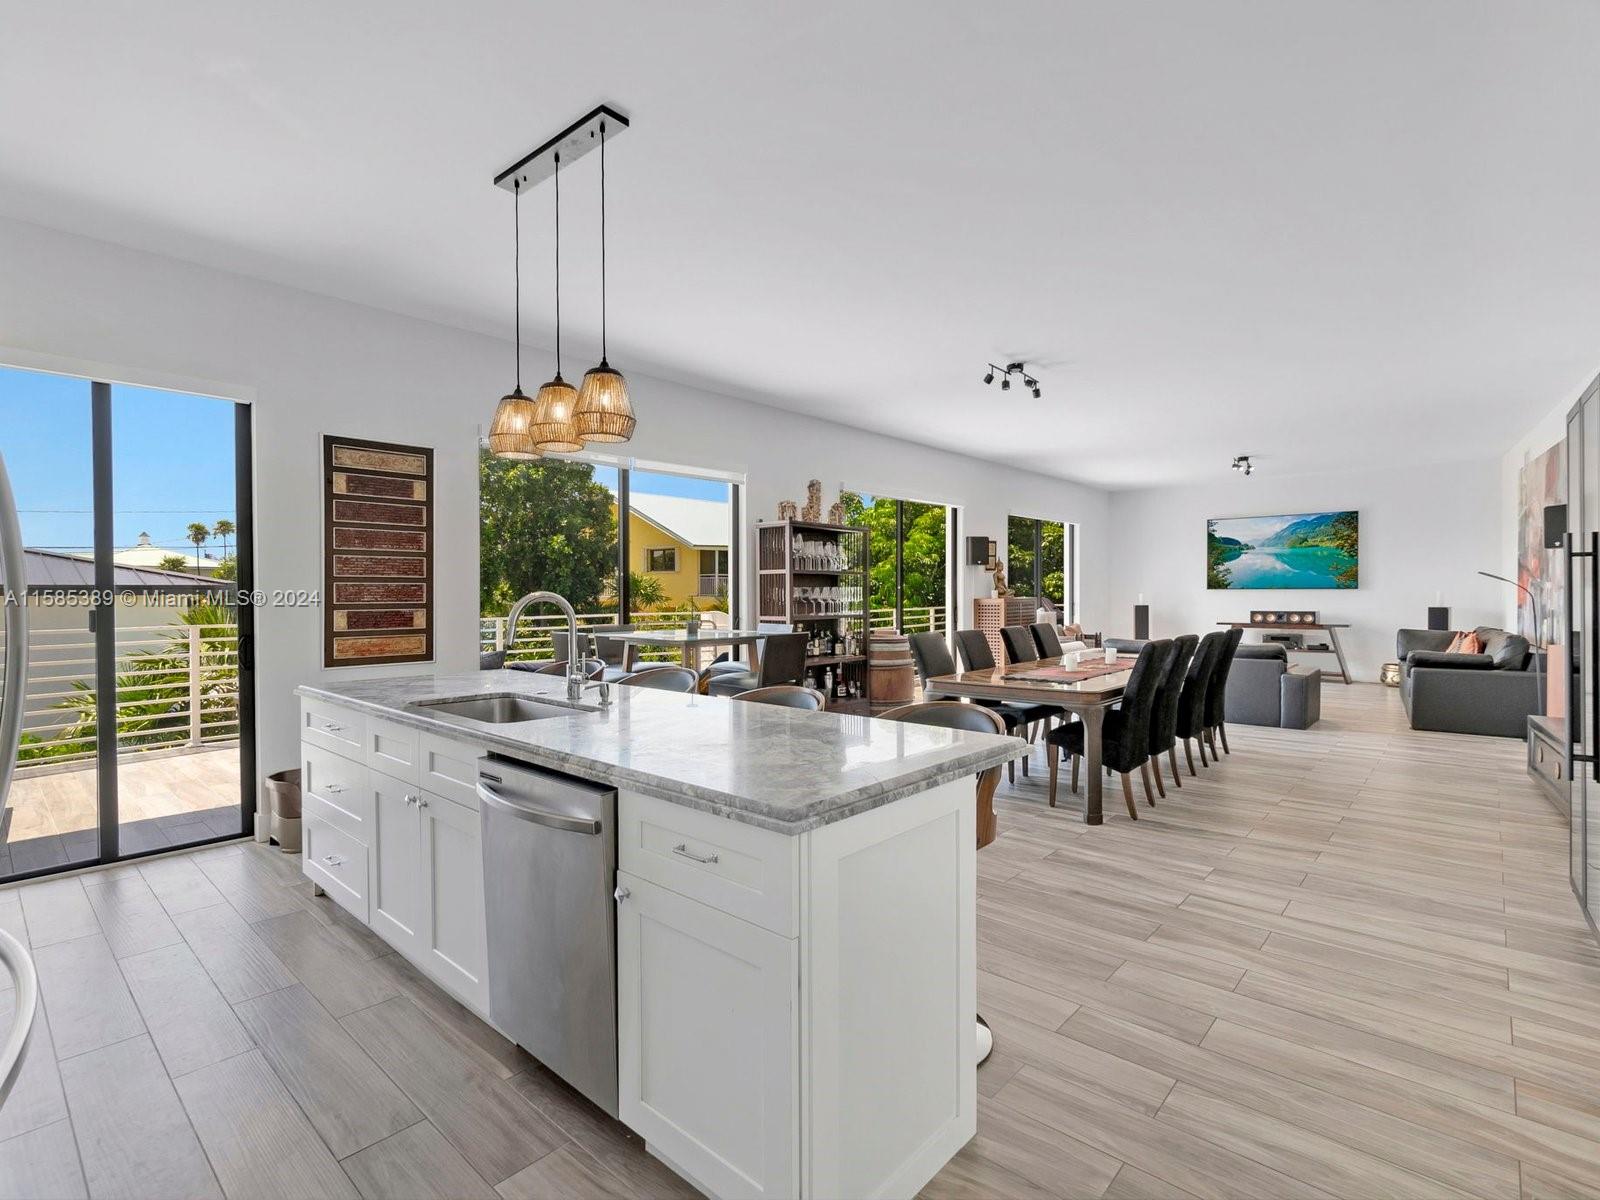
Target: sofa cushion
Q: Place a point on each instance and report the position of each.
(1261, 650)
(1465, 643)
(1440, 660)
(1508, 650)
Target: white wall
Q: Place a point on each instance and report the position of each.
(312, 365)
(1424, 529)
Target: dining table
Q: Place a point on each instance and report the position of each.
(1086, 689)
(687, 641)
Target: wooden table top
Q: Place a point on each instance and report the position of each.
(998, 683)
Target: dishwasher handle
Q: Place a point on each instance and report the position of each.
(538, 816)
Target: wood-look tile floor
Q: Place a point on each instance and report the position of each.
(1344, 962)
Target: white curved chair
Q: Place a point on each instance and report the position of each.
(19, 963)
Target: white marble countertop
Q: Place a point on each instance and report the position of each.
(778, 768)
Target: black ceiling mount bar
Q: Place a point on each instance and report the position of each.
(572, 143)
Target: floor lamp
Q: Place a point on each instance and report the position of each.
(1538, 633)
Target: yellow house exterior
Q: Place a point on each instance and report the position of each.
(681, 543)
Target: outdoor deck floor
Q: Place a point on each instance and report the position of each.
(167, 801)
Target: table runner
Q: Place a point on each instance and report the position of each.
(1059, 674)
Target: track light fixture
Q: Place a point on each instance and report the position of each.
(1007, 371)
(1241, 462)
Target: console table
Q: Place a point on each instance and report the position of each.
(1332, 647)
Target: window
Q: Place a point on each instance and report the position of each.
(1041, 561)
(568, 526)
(909, 547)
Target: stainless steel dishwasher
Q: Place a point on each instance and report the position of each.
(549, 868)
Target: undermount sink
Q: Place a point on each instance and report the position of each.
(496, 710)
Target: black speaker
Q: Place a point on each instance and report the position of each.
(1438, 618)
(980, 551)
(1141, 620)
(1555, 526)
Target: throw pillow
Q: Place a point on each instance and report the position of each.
(1464, 643)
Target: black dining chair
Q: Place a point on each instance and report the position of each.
(728, 665)
(1192, 702)
(1125, 734)
(1018, 641)
(1216, 693)
(662, 679)
(785, 695)
(1046, 640)
(1164, 726)
(783, 660)
(931, 654)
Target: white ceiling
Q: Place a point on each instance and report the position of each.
(1323, 234)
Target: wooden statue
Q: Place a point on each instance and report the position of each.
(813, 509)
(788, 510)
(1001, 587)
(836, 513)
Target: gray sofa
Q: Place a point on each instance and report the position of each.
(1490, 693)
(1263, 689)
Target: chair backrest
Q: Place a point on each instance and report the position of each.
(610, 651)
(947, 714)
(932, 655)
(593, 668)
(974, 648)
(1139, 697)
(785, 696)
(18, 963)
(663, 679)
(1219, 676)
(1192, 703)
(1164, 725)
(783, 660)
(1047, 640)
(1018, 641)
(491, 660)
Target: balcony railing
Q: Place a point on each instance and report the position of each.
(712, 585)
(177, 687)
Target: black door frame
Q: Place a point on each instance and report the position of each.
(103, 626)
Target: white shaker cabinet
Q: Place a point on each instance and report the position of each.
(455, 943)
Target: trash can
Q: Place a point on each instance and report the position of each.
(283, 795)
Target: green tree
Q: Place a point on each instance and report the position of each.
(198, 534)
(173, 562)
(923, 554)
(227, 567)
(545, 524)
(223, 529)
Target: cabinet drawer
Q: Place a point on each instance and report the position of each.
(341, 785)
(449, 769)
(332, 728)
(392, 749)
(1546, 760)
(748, 872)
(337, 862)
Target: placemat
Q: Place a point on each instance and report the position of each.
(1060, 674)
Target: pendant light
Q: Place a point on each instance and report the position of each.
(552, 409)
(513, 416)
(604, 413)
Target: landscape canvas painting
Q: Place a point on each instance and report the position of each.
(1291, 550)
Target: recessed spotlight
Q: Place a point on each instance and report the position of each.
(989, 378)
(1005, 384)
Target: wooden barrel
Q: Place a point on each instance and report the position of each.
(891, 674)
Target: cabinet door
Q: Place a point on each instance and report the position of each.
(454, 937)
(708, 1041)
(396, 891)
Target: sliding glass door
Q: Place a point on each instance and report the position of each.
(910, 548)
(1041, 561)
(137, 719)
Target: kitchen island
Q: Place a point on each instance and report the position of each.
(794, 913)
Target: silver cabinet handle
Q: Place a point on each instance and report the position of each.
(412, 799)
(335, 788)
(422, 802)
(683, 849)
(331, 727)
(333, 860)
(621, 893)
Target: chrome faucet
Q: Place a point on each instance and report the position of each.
(575, 656)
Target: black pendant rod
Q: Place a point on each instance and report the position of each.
(602, 241)
(558, 265)
(516, 270)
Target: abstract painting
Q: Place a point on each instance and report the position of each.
(377, 553)
(1290, 550)
(1543, 482)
